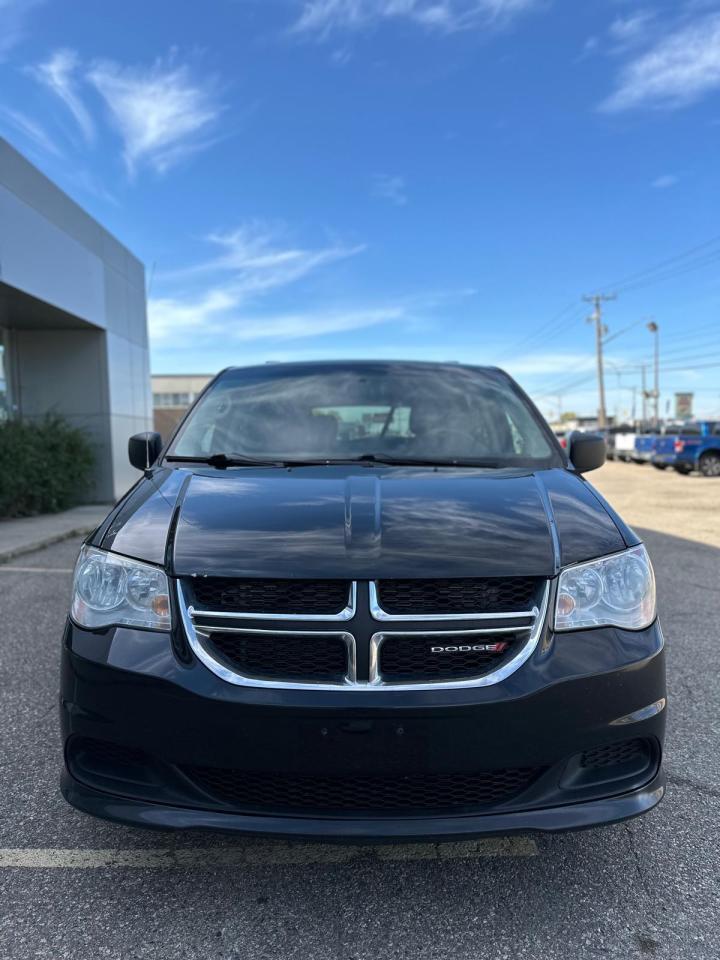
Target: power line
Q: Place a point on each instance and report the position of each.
(617, 284)
(691, 343)
(557, 324)
(564, 387)
(671, 275)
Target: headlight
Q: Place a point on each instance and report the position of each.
(616, 591)
(109, 590)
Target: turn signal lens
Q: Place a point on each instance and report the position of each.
(110, 590)
(615, 591)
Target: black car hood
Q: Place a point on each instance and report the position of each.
(363, 523)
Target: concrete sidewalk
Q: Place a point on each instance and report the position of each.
(32, 533)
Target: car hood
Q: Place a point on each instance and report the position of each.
(363, 523)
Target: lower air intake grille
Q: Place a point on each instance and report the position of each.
(287, 657)
(361, 795)
(231, 595)
(488, 595)
(614, 753)
(414, 658)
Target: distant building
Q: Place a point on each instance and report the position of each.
(580, 423)
(172, 394)
(73, 328)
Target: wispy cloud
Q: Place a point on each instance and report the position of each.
(678, 70)
(627, 31)
(391, 188)
(250, 261)
(259, 257)
(59, 74)
(162, 113)
(665, 181)
(30, 130)
(324, 17)
(215, 314)
(12, 23)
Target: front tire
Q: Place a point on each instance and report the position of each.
(660, 466)
(709, 465)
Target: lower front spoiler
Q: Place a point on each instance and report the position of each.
(574, 816)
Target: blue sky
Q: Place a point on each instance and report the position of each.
(405, 178)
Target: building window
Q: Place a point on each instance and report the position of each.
(172, 399)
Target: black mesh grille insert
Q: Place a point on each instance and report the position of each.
(614, 753)
(415, 658)
(230, 595)
(488, 595)
(291, 657)
(362, 795)
(103, 751)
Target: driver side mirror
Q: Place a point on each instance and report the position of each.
(144, 449)
(587, 452)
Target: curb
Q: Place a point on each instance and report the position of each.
(46, 541)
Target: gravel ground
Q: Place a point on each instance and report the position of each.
(648, 888)
(663, 500)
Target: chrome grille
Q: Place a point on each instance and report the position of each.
(308, 650)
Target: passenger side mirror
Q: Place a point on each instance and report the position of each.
(587, 452)
(144, 449)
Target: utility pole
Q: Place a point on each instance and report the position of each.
(643, 370)
(655, 330)
(597, 300)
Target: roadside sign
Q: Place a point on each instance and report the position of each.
(684, 406)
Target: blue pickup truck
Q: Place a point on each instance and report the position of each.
(696, 446)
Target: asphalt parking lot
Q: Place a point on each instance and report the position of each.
(71, 886)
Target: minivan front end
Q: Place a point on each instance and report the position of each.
(363, 650)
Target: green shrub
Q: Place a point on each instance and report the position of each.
(45, 466)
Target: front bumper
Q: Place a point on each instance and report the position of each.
(578, 816)
(160, 717)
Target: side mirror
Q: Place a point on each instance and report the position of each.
(587, 452)
(144, 449)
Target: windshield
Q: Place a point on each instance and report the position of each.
(430, 413)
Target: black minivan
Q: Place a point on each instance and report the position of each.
(363, 600)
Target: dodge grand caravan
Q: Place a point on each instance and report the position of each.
(363, 600)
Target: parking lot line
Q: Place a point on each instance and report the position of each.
(167, 858)
(4, 568)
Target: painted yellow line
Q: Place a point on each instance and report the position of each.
(167, 858)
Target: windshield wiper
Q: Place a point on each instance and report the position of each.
(391, 460)
(222, 460)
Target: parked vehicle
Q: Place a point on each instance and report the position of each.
(625, 444)
(645, 445)
(609, 444)
(695, 447)
(363, 600)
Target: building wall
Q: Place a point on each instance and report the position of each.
(74, 304)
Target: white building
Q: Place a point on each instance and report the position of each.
(73, 328)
